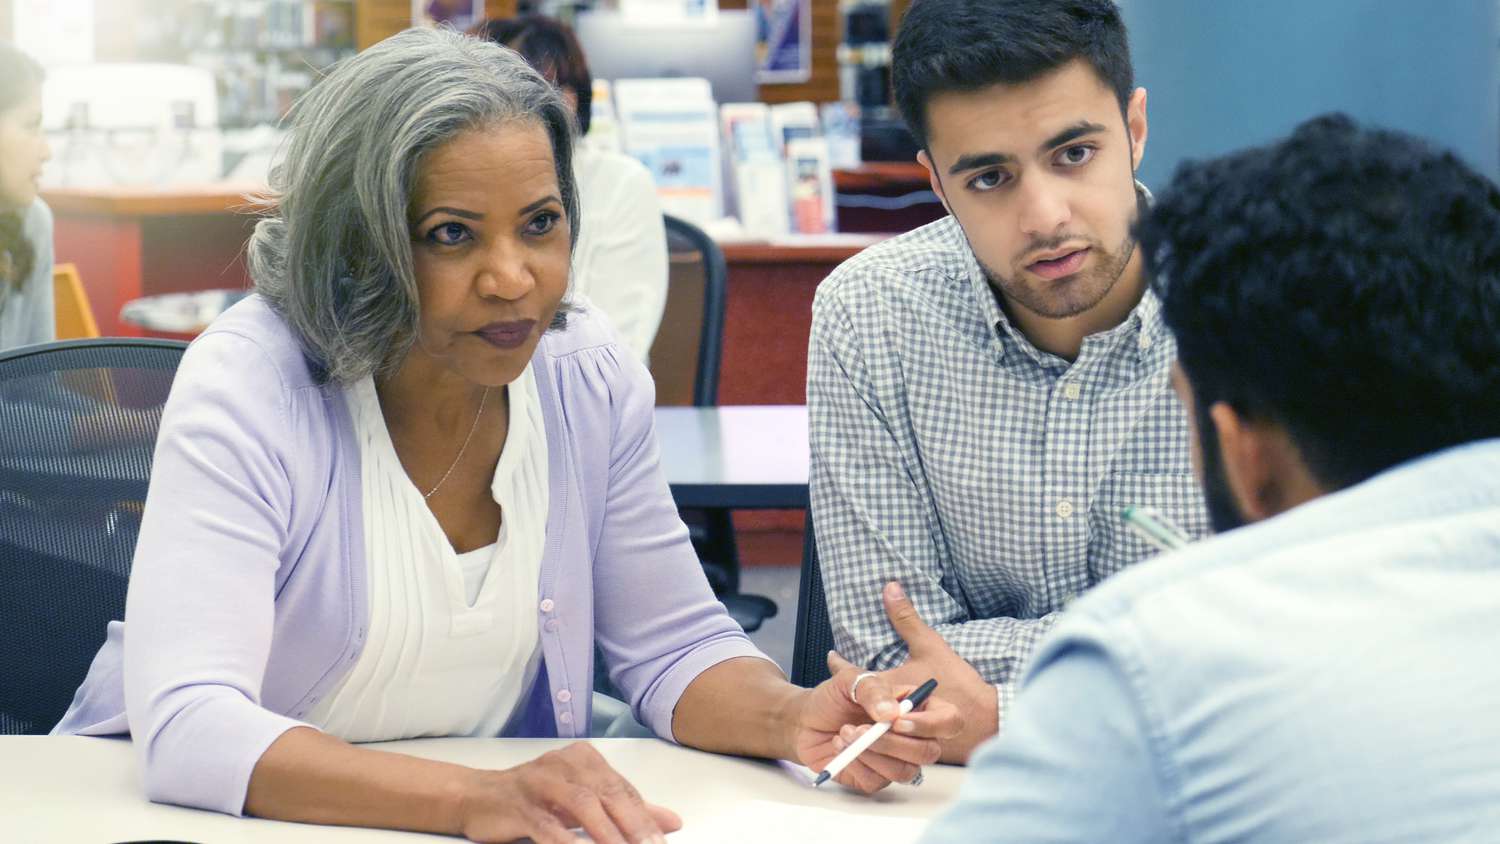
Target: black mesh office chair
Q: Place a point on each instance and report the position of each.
(689, 344)
(77, 427)
(685, 364)
(814, 631)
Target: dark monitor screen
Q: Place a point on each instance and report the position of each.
(723, 51)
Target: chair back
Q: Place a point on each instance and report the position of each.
(79, 419)
(685, 365)
(74, 314)
(685, 354)
(814, 631)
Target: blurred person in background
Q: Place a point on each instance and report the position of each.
(620, 263)
(25, 221)
(26, 301)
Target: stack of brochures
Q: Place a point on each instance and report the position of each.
(670, 126)
(778, 165)
(768, 165)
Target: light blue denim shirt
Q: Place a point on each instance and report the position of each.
(1328, 675)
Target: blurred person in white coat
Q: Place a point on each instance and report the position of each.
(621, 260)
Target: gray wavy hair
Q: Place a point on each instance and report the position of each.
(333, 255)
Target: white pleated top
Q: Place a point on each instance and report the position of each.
(452, 646)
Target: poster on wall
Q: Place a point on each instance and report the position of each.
(459, 14)
(783, 35)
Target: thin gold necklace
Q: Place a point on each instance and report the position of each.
(465, 446)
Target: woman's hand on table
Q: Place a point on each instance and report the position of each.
(831, 719)
(563, 790)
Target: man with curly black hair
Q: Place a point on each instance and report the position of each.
(1326, 673)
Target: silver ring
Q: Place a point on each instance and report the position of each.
(916, 780)
(854, 687)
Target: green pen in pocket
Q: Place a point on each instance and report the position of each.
(1153, 527)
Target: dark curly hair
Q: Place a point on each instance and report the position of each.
(551, 48)
(1343, 283)
(965, 45)
(20, 76)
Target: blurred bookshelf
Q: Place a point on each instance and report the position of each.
(263, 53)
(378, 19)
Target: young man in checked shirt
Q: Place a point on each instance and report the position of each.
(987, 393)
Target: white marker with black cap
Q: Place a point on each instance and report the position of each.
(841, 761)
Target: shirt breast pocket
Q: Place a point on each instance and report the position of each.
(1112, 544)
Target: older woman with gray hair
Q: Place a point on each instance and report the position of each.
(404, 489)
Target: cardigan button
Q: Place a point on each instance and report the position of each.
(564, 696)
(565, 718)
(551, 625)
(547, 605)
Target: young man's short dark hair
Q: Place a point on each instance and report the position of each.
(1344, 284)
(551, 47)
(965, 45)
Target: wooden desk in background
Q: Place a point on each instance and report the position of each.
(769, 314)
(886, 196)
(882, 175)
(134, 242)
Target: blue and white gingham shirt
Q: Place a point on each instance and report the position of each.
(984, 474)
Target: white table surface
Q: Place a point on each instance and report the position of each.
(735, 456)
(74, 789)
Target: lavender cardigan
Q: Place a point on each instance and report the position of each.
(247, 599)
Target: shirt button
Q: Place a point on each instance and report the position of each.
(1064, 509)
(1145, 341)
(547, 605)
(564, 696)
(551, 625)
(565, 718)
(1072, 391)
